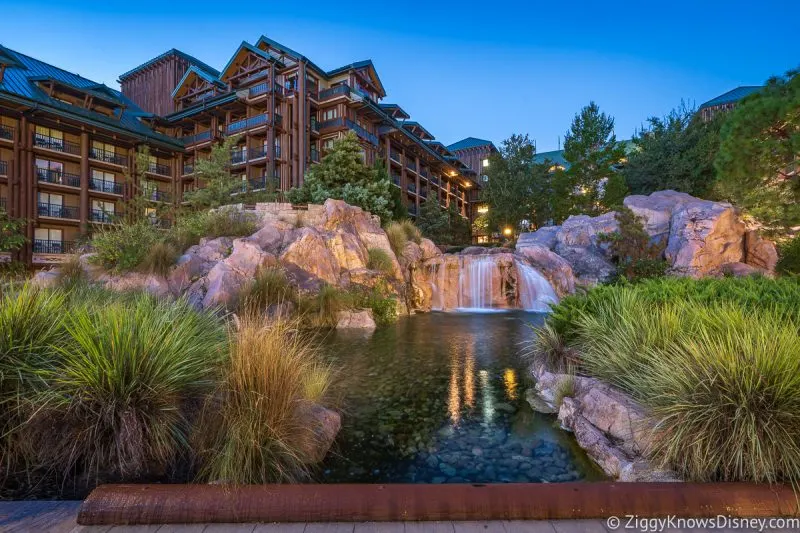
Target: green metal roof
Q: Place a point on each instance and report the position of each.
(20, 84)
(733, 95)
(173, 52)
(469, 142)
(556, 157)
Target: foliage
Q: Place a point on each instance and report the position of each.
(269, 286)
(593, 154)
(549, 350)
(71, 273)
(221, 222)
(614, 191)
(433, 221)
(214, 172)
(159, 259)
(258, 426)
(398, 237)
(12, 232)
(565, 388)
(460, 229)
(675, 152)
(396, 206)
(789, 257)
(631, 249)
(758, 154)
(115, 398)
(343, 175)
(379, 260)
(123, 247)
(378, 299)
(720, 382)
(411, 230)
(136, 204)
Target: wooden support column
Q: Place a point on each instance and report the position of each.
(388, 156)
(418, 184)
(271, 163)
(179, 180)
(302, 120)
(15, 185)
(84, 197)
(403, 177)
(30, 198)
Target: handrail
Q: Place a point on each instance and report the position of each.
(197, 137)
(57, 211)
(103, 185)
(158, 168)
(327, 94)
(45, 246)
(247, 123)
(53, 143)
(108, 156)
(49, 175)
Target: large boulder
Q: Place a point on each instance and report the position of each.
(189, 268)
(582, 232)
(247, 257)
(348, 250)
(545, 236)
(704, 235)
(213, 249)
(760, 252)
(742, 270)
(552, 266)
(323, 425)
(310, 253)
(135, 281)
(429, 249)
(655, 211)
(223, 285)
(355, 319)
(588, 267)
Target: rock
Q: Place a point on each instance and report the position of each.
(742, 270)
(656, 210)
(545, 237)
(348, 250)
(355, 319)
(270, 237)
(704, 236)
(589, 268)
(552, 266)
(339, 215)
(379, 240)
(135, 281)
(324, 425)
(223, 286)
(310, 253)
(760, 252)
(248, 257)
(581, 232)
(538, 404)
(189, 267)
(46, 279)
(213, 249)
(429, 249)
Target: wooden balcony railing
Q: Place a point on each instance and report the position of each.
(111, 187)
(3, 168)
(394, 156)
(188, 168)
(49, 175)
(58, 211)
(6, 132)
(42, 246)
(158, 168)
(412, 188)
(247, 123)
(333, 92)
(196, 138)
(108, 157)
(258, 90)
(337, 122)
(155, 195)
(104, 217)
(411, 165)
(361, 132)
(254, 76)
(53, 143)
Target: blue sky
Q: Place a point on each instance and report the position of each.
(482, 69)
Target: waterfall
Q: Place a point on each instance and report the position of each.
(535, 292)
(476, 283)
(436, 273)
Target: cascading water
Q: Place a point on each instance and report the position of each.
(535, 292)
(436, 274)
(476, 283)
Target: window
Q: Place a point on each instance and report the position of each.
(105, 176)
(327, 144)
(104, 147)
(330, 114)
(103, 206)
(47, 234)
(52, 199)
(150, 212)
(50, 167)
(485, 163)
(48, 132)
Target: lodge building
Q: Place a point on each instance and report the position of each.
(66, 142)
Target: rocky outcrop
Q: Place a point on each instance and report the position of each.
(355, 319)
(699, 238)
(322, 425)
(612, 428)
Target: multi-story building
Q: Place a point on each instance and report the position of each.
(66, 144)
(474, 153)
(286, 111)
(726, 102)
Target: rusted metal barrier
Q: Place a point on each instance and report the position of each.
(168, 504)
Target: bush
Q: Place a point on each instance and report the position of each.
(789, 257)
(378, 299)
(380, 260)
(258, 430)
(222, 222)
(159, 259)
(547, 349)
(270, 286)
(411, 230)
(71, 273)
(631, 250)
(398, 237)
(123, 248)
(116, 397)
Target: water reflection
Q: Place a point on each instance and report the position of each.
(454, 399)
(488, 397)
(510, 382)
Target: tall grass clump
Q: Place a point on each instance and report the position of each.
(122, 248)
(222, 222)
(115, 404)
(257, 429)
(789, 257)
(159, 259)
(270, 286)
(411, 230)
(548, 349)
(71, 273)
(398, 237)
(380, 260)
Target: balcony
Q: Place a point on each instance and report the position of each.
(394, 156)
(423, 193)
(103, 217)
(333, 92)
(239, 156)
(313, 92)
(247, 123)
(3, 168)
(58, 177)
(314, 125)
(159, 168)
(412, 188)
(41, 246)
(6, 133)
(314, 156)
(161, 222)
(107, 156)
(424, 173)
(58, 211)
(107, 186)
(4, 204)
(434, 180)
(196, 138)
(337, 122)
(411, 165)
(396, 179)
(55, 144)
(188, 168)
(258, 90)
(263, 183)
(412, 210)
(277, 152)
(361, 132)
(259, 152)
(157, 196)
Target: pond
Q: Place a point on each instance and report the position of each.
(440, 398)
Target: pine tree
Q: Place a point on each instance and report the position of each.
(433, 221)
(214, 172)
(508, 189)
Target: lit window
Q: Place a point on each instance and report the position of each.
(483, 209)
(485, 163)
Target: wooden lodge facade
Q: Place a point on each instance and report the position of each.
(66, 142)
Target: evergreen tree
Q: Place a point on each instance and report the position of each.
(675, 152)
(343, 175)
(757, 163)
(137, 202)
(508, 191)
(433, 221)
(460, 230)
(614, 191)
(214, 172)
(592, 151)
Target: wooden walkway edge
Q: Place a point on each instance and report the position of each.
(183, 504)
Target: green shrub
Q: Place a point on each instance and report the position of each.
(411, 230)
(122, 248)
(71, 273)
(378, 299)
(257, 429)
(159, 259)
(116, 396)
(398, 237)
(222, 222)
(547, 349)
(632, 251)
(270, 286)
(789, 257)
(380, 260)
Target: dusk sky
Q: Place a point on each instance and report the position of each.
(482, 69)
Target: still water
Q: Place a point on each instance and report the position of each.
(440, 398)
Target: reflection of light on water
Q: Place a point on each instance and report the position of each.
(454, 399)
(469, 376)
(488, 397)
(510, 381)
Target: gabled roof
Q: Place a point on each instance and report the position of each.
(367, 64)
(469, 142)
(733, 95)
(556, 157)
(20, 84)
(394, 110)
(416, 128)
(173, 52)
(194, 71)
(244, 47)
(288, 51)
